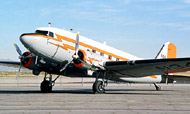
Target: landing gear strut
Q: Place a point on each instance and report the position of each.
(47, 84)
(157, 87)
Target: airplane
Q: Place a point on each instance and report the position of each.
(64, 53)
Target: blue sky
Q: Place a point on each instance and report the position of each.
(139, 27)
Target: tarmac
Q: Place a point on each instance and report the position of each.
(72, 96)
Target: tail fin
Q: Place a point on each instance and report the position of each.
(168, 50)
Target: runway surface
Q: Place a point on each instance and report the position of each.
(24, 97)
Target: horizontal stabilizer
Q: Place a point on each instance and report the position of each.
(179, 77)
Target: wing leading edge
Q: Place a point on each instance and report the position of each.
(140, 68)
(10, 64)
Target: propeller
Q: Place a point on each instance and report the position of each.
(18, 49)
(20, 57)
(18, 71)
(75, 55)
(77, 44)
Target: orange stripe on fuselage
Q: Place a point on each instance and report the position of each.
(89, 46)
(153, 76)
(60, 38)
(92, 59)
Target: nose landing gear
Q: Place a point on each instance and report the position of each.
(46, 86)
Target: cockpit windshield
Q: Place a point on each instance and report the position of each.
(45, 33)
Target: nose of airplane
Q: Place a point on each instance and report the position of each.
(25, 39)
(33, 42)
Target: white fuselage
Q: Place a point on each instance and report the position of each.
(61, 46)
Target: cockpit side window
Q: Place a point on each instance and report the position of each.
(45, 33)
(51, 34)
(42, 32)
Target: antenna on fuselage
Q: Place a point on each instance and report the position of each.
(49, 25)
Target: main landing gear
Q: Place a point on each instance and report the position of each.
(47, 84)
(157, 87)
(99, 86)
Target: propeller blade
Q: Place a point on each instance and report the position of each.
(75, 56)
(18, 49)
(77, 44)
(18, 71)
(65, 66)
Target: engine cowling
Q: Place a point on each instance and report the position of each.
(89, 59)
(38, 64)
(29, 63)
(82, 56)
(26, 62)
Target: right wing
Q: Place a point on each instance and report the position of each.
(140, 68)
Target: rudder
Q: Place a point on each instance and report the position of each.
(168, 50)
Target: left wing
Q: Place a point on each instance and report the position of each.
(140, 68)
(10, 64)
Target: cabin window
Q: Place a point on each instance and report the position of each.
(102, 54)
(94, 51)
(117, 59)
(110, 57)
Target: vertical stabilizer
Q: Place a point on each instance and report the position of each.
(168, 50)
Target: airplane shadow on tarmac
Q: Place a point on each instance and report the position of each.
(88, 91)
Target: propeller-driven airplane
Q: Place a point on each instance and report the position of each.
(61, 52)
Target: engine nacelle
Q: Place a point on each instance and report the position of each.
(82, 55)
(38, 64)
(89, 58)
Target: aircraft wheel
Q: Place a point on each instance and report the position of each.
(46, 87)
(98, 87)
(158, 88)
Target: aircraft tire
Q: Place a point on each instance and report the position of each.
(46, 87)
(158, 88)
(98, 87)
